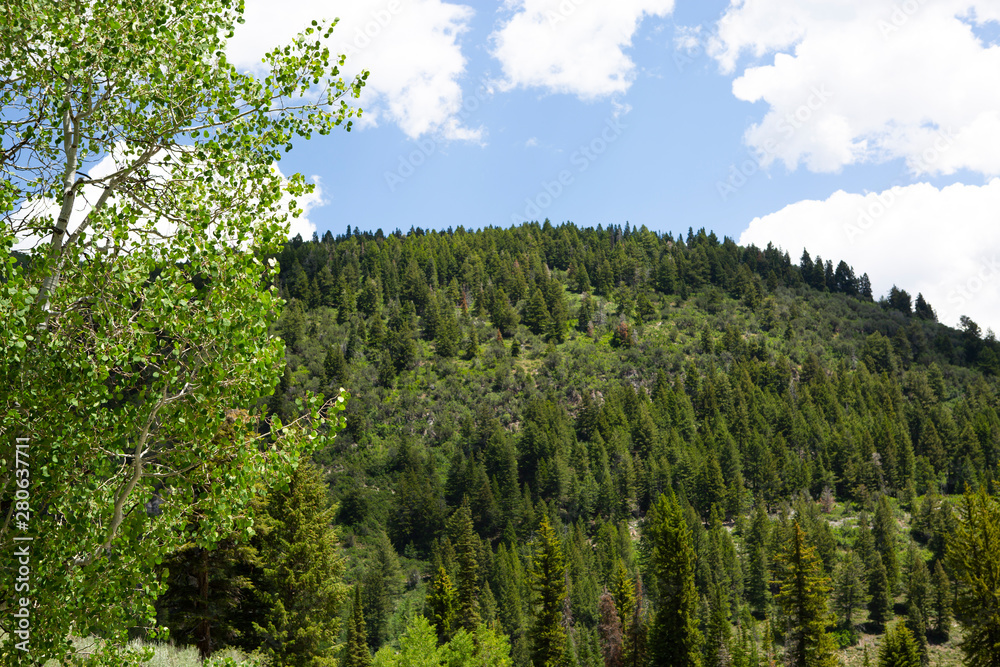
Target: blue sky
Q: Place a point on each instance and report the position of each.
(865, 130)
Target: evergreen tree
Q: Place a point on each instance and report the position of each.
(447, 337)
(718, 632)
(898, 649)
(380, 586)
(674, 638)
(941, 603)
(918, 601)
(973, 556)
(802, 601)
(300, 589)
(884, 533)
(356, 654)
(334, 366)
(468, 568)
(548, 585)
(850, 592)
(758, 585)
(536, 313)
(441, 603)
(880, 607)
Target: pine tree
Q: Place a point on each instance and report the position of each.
(548, 585)
(334, 366)
(880, 607)
(441, 602)
(973, 556)
(718, 632)
(536, 313)
(674, 639)
(898, 649)
(884, 533)
(300, 590)
(448, 335)
(802, 601)
(918, 601)
(850, 592)
(356, 654)
(468, 568)
(941, 603)
(380, 586)
(758, 586)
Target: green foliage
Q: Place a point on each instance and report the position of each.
(898, 648)
(143, 322)
(974, 558)
(356, 653)
(548, 586)
(802, 601)
(300, 590)
(441, 604)
(674, 638)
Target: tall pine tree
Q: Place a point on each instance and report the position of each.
(548, 584)
(674, 638)
(802, 601)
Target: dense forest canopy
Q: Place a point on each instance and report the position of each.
(611, 446)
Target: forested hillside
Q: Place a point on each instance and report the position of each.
(614, 447)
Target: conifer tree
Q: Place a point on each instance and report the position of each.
(918, 601)
(300, 590)
(850, 592)
(334, 366)
(758, 586)
(884, 533)
(441, 601)
(718, 632)
(447, 336)
(623, 590)
(941, 603)
(674, 638)
(548, 585)
(536, 313)
(468, 568)
(356, 653)
(880, 607)
(898, 648)
(802, 600)
(380, 585)
(973, 556)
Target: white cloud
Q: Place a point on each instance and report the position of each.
(34, 210)
(898, 74)
(572, 46)
(944, 243)
(411, 48)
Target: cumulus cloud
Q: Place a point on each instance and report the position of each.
(895, 75)
(411, 48)
(572, 46)
(944, 243)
